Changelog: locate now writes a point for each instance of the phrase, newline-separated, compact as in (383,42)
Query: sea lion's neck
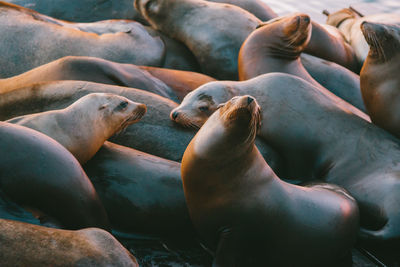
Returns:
(91,121)
(345,28)
(229,178)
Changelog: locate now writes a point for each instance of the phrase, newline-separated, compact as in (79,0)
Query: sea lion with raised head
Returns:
(24,244)
(349,24)
(276,47)
(43,41)
(141,193)
(155,134)
(248,215)
(205,28)
(39,174)
(380,80)
(318,138)
(96,117)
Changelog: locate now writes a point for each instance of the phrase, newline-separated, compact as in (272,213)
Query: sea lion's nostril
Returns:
(249,100)
(175,115)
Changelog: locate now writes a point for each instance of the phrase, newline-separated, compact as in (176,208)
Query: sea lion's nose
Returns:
(175,115)
(249,100)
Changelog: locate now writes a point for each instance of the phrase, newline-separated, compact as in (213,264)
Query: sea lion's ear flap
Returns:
(103,106)
(264,23)
(221,105)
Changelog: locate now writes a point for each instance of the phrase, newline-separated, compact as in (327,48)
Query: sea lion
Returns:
(155,134)
(177,55)
(169,83)
(96,117)
(256,7)
(337,154)
(140,192)
(205,28)
(380,81)
(49,41)
(337,78)
(88,11)
(181,82)
(276,47)
(24,244)
(328,43)
(348,22)
(246,213)
(50,181)
(198,105)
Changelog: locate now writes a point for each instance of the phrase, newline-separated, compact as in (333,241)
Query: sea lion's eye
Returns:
(203,108)
(121,106)
(149,5)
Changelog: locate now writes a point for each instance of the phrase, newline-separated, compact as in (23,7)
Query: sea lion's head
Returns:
(293,33)
(155,11)
(241,114)
(112,112)
(231,130)
(383,40)
(338,17)
(199,104)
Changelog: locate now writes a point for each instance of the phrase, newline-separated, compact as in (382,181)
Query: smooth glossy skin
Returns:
(256,7)
(96,117)
(90,69)
(328,43)
(177,55)
(380,80)
(48,41)
(155,134)
(375,185)
(246,213)
(336,78)
(276,47)
(213,32)
(83,11)
(349,24)
(41,175)
(24,244)
(181,82)
(141,192)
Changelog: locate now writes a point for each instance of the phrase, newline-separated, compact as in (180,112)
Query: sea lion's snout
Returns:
(303,19)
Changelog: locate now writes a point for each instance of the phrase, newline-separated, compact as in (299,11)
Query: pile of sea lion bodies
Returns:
(273,141)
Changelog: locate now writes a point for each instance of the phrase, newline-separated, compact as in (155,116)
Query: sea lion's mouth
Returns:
(184,120)
(136,116)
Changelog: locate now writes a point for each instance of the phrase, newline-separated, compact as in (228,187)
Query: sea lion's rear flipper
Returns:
(225,254)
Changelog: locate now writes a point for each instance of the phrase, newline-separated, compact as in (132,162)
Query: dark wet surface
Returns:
(162,253)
